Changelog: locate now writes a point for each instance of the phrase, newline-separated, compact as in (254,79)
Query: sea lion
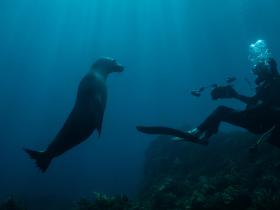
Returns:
(86,116)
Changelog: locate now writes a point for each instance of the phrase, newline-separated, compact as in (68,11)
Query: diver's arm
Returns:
(228,92)
(245,99)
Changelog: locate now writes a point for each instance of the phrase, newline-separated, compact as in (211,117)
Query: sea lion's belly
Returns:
(85,117)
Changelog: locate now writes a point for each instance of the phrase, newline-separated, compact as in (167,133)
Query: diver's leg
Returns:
(210,126)
(256,120)
(248,119)
(213,121)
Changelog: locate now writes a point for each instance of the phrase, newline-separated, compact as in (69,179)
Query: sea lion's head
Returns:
(108,65)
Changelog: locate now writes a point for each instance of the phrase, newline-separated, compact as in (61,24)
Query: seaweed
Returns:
(11,204)
(104,202)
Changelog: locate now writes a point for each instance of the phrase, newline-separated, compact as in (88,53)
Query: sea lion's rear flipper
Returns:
(42,161)
(157,130)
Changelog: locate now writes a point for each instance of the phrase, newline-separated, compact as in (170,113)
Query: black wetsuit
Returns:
(261,114)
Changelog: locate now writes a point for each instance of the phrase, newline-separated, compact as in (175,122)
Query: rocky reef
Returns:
(227,174)
(104,202)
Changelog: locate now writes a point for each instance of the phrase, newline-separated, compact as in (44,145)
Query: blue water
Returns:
(168,47)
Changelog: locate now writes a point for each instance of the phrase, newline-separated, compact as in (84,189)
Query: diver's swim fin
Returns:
(157,130)
(41,159)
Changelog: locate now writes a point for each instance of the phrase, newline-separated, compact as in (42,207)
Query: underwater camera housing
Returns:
(217,90)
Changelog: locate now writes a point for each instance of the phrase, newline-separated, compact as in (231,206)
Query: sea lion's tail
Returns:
(42,161)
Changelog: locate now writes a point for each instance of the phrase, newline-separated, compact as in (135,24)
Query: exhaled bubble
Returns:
(259,53)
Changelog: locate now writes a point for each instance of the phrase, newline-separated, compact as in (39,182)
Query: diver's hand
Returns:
(223,92)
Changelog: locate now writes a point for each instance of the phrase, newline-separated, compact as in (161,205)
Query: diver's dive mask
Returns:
(261,69)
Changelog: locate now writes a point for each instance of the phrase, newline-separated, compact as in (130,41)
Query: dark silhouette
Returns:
(86,116)
(261,116)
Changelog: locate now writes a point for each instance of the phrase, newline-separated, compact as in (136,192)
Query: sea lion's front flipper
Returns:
(157,130)
(99,122)
(99,109)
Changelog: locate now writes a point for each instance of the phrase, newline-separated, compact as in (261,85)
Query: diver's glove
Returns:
(223,92)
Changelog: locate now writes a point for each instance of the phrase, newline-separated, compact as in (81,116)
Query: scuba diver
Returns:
(262,112)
